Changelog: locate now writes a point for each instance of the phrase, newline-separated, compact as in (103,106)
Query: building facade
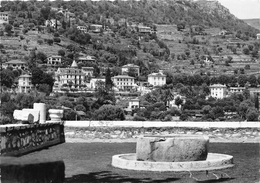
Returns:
(25,83)
(126,68)
(124,82)
(157,79)
(4,16)
(218,91)
(73,76)
(88,71)
(16,64)
(54,60)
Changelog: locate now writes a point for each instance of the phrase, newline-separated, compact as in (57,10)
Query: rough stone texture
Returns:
(178,148)
(18,140)
(123,133)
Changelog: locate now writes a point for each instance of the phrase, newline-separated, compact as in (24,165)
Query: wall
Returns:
(116,131)
(162,124)
(18,139)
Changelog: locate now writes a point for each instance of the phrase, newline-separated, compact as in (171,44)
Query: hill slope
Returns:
(253,23)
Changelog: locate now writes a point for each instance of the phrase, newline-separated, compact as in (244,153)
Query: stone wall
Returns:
(132,133)
(23,138)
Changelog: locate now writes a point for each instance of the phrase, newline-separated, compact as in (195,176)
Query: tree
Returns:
(246,51)
(40,56)
(7,78)
(8,29)
(252,81)
(178,101)
(109,112)
(56,40)
(242,79)
(252,114)
(108,83)
(61,53)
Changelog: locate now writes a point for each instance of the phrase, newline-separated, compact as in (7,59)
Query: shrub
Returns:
(39,41)
(56,40)
(70,115)
(139,118)
(109,112)
(56,34)
(5,120)
(50,41)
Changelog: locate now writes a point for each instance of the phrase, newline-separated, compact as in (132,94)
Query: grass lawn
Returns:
(91,162)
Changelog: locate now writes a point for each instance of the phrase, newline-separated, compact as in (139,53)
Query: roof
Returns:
(86,58)
(157,74)
(123,76)
(130,65)
(25,76)
(87,68)
(15,62)
(74,64)
(217,86)
(55,56)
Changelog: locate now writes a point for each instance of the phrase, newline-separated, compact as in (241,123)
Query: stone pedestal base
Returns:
(177,148)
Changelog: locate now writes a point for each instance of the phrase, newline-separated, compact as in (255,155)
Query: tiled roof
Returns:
(15,62)
(157,74)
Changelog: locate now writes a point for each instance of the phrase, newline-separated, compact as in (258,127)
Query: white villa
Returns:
(88,71)
(218,91)
(70,76)
(124,82)
(134,103)
(4,16)
(85,59)
(126,68)
(92,85)
(258,36)
(236,89)
(54,60)
(25,83)
(16,64)
(157,79)
(82,28)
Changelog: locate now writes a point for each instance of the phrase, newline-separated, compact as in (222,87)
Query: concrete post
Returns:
(42,108)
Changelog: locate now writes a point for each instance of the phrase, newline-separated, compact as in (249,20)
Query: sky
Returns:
(243,9)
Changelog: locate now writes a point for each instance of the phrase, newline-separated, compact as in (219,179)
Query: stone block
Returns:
(28,116)
(174,148)
(34,113)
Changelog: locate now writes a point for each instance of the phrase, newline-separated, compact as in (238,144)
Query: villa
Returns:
(25,83)
(126,68)
(70,76)
(16,64)
(157,79)
(4,16)
(218,91)
(124,82)
(54,60)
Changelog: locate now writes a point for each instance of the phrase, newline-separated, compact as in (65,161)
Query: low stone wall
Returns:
(112,134)
(22,138)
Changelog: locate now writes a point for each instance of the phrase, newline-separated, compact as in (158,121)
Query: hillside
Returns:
(253,23)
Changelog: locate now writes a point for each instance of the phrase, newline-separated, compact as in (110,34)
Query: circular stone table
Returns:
(214,161)
(172,148)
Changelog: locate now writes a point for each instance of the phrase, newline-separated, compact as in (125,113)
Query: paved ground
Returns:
(91,162)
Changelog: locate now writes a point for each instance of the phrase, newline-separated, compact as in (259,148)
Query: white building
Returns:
(83,59)
(16,64)
(134,103)
(54,60)
(126,68)
(70,76)
(82,28)
(88,71)
(258,36)
(237,89)
(25,83)
(144,29)
(124,82)
(157,79)
(218,91)
(4,16)
(93,82)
